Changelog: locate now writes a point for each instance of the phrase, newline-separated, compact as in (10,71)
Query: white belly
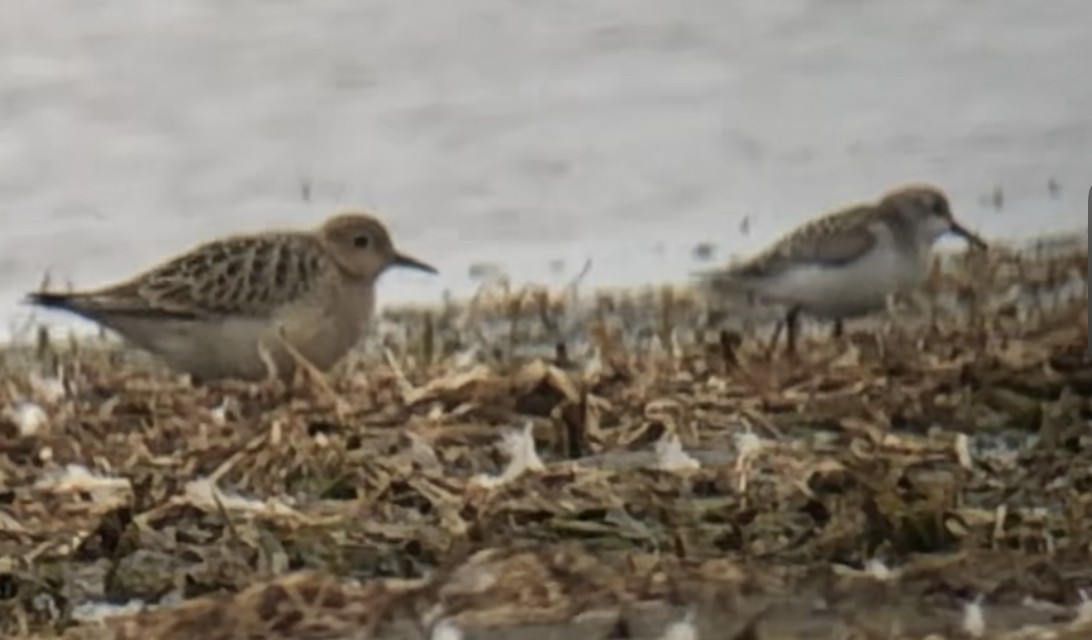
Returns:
(849,290)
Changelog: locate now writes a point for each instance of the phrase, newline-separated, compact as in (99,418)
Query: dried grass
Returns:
(537,456)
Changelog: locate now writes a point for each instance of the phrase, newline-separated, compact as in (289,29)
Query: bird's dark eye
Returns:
(361,242)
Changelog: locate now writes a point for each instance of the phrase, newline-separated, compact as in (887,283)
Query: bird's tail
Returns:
(49,299)
(80,303)
(722,281)
(99,305)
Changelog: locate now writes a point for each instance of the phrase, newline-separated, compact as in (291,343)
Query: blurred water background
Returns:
(533,135)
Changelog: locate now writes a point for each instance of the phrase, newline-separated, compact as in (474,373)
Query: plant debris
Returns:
(626,464)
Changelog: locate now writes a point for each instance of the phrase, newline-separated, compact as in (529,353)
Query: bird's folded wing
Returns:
(837,248)
(250,282)
(244,276)
(834,248)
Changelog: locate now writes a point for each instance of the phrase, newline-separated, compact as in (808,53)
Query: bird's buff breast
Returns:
(233,347)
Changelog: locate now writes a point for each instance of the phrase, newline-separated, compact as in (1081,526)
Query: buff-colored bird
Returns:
(251,306)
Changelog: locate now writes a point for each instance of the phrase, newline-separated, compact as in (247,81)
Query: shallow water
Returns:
(625,131)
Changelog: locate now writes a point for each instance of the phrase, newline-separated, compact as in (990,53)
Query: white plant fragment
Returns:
(446,630)
(28,417)
(963,451)
(671,457)
(974,619)
(682,630)
(519,446)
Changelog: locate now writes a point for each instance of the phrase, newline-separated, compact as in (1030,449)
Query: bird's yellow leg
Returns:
(317,377)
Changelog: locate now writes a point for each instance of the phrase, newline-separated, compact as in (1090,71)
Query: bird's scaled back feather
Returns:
(243,275)
(832,240)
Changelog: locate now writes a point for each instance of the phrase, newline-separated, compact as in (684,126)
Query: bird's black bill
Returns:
(969,235)
(401,260)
